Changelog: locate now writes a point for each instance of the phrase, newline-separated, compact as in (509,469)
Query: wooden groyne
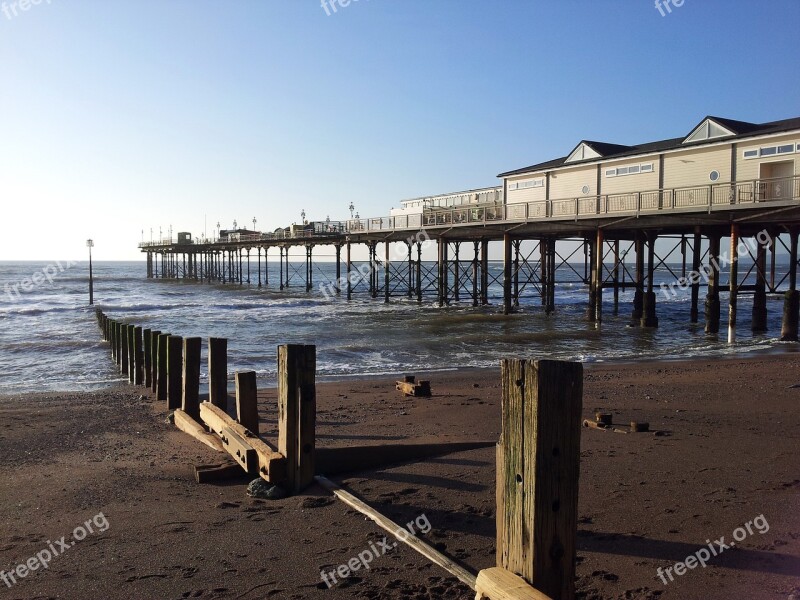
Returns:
(538,454)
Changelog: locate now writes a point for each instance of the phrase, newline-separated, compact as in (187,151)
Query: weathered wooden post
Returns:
(123,363)
(638,295)
(190,398)
(507,265)
(154,359)
(218,372)
(649,316)
(113,329)
(247,400)
(791,302)
(759,320)
(538,465)
(138,356)
(148,357)
(734,284)
(297,409)
(696,247)
(131,353)
(161,379)
(174,371)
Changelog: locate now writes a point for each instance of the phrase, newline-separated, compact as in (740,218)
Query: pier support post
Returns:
(309,267)
(162,370)
(373,269)
(457,272)
(348,271)
(734,284)
(190,398)
(696,247)
(591,261)
(475,263)
(484,272)
(543,265)
(247,400)
(258,249)
(338,269)
(297,408)
(419,271)
(791,302)
(266,266)
(616,277)
(174,371)
(517,244)
(442,243)
(281,263)
(218,372)
(538,466)
(759,320)
(507,266)
(638,295)
(386,271)
(649,317)
(409,248)
(551,273)
(712,297)
(599,276)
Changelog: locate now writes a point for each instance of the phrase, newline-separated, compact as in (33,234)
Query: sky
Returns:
(123,119)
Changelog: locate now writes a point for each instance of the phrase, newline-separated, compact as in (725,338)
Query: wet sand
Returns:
(728,454)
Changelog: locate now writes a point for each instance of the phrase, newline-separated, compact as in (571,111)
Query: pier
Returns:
(582,239)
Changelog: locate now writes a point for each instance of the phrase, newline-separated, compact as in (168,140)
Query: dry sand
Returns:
(729,453)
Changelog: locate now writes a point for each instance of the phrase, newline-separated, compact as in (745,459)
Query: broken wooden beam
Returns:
(500,584)
(410,387)
(217,472)
(271,464)
(187,424)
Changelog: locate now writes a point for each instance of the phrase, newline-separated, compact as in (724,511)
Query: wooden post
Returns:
(147,341)
(638,295)
(599,276)
(131,353)
(538,465)
(348,271)
(696,247)
(712,299)
(174,371)
(649,316)
(297,407)
(113,326)
(154,359)
(247,400)
(138,356)
(734,284)
(759,320)
(386,271)
(190,399)
(484,272)
(791,302)
(161,379)
(591,245)
(123,363)
(218,372)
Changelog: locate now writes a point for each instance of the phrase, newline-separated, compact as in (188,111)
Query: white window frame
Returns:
(626,170)
(759,152)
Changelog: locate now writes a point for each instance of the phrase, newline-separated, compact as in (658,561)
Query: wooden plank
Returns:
(542,403)
(247,400)
(239,448)
(218,372)
(217,472)
(187,424)
(161,368)
(499,584)
(297,413)
(190,397)
(271,464)
(174,371)
(399,532)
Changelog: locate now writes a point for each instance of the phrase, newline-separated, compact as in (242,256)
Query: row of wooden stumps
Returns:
(170,366)
(538,455)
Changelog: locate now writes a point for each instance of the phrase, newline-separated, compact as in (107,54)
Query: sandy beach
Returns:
(725,455)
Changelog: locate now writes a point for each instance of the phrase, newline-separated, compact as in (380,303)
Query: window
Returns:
(714,175)
(522,185)
(630,170)
(585,190)
(771,150)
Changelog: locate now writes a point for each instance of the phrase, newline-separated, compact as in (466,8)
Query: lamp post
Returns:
(234,224)
(90,245)
(352,208)
(254,224)
(303,216)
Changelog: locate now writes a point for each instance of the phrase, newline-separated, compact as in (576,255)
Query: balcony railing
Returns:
(673,200)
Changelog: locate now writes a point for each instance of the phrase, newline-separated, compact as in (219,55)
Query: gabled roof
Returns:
(586,150)
(738,130)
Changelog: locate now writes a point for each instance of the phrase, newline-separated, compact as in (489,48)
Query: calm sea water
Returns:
(50,340)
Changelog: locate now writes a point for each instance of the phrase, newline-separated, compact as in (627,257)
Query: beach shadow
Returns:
(332,436)
(739,558)
(427,480)
(464,462)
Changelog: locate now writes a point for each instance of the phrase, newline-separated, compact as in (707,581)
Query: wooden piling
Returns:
(297,413)
(154,359)
(696,256)
(386,271)
(147,348)
(162,370)
(247,400)
(218,372)
(138,354)
(649,315)
(538,465)
(174,371)
(759,320)
(123,362)
(190,397)
(131,353)
(507,266)
(638,295)
(734,283)
(712,308)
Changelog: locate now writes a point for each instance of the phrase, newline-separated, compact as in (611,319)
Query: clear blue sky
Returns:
(119,116)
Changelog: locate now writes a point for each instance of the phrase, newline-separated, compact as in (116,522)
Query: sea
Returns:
(49,339)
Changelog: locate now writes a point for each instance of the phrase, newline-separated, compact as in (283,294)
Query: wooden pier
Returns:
(757,217)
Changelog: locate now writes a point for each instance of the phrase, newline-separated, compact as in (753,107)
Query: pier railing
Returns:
(673,200)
